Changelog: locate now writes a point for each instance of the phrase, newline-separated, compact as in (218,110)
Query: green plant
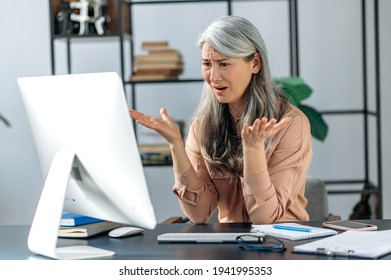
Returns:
(5,121)
(297,90)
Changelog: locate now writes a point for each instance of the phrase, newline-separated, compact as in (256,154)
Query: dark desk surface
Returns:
(13,244)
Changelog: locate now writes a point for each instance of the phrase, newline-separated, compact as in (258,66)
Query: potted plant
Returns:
(297,90)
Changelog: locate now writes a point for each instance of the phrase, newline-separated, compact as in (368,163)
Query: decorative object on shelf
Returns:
(84,18)
(297,90)
(81,17)
(63,24)
(161,62)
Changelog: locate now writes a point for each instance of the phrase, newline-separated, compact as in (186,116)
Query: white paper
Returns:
(364,244)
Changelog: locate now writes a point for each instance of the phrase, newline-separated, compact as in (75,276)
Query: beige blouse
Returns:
(241,199)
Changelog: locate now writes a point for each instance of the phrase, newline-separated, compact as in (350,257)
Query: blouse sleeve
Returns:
(270,194)
(195,180)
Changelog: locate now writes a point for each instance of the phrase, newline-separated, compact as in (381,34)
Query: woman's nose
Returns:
(214,74)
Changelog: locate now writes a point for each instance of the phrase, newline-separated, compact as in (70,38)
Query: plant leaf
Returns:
(295,88)
(319,127)
(5,121)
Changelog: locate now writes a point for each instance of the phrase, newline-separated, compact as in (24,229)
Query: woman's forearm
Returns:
(181,163)
(254,161)
(180,160)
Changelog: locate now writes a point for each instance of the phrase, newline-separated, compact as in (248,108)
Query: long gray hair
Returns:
(236,37)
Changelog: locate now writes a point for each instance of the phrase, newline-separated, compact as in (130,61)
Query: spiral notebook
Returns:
(311,232)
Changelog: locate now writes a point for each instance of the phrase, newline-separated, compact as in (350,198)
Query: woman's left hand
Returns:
(255,135)
(166,127)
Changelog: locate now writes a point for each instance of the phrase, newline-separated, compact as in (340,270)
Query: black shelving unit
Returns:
(369,186)
(68,38)
(121,35)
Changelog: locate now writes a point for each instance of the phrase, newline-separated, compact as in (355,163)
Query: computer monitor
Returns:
(88,153)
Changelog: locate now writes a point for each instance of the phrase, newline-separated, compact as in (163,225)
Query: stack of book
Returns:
(160,63)
(80,226)
(155,154)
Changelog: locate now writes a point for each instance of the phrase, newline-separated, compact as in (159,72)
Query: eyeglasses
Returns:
(266,243)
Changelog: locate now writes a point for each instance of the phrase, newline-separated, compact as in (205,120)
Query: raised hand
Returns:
(166,127)
(256,134)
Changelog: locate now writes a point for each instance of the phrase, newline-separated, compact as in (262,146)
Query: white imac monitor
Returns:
(88,153)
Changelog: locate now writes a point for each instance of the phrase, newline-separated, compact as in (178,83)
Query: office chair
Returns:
(318,205)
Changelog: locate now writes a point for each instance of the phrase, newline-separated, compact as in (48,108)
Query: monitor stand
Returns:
(43,234)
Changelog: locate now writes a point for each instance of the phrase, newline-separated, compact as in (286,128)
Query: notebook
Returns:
(71,220)
(352,243)
(87,230)
(313,232)
(202,237)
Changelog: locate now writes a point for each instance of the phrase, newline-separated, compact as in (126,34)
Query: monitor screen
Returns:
(87,150)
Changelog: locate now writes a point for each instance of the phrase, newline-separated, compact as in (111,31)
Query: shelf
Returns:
(173,2)
(195,80)
(87,37)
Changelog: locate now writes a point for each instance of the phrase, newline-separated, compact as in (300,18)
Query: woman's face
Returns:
(228,77)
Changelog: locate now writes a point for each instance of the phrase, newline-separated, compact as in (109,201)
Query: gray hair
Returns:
(236,37)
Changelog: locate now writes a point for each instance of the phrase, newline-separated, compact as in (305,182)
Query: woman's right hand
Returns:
(166,127)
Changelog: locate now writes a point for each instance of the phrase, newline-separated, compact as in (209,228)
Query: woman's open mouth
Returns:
(219,90)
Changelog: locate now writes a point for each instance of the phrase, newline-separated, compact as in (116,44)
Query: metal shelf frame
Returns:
(367,113)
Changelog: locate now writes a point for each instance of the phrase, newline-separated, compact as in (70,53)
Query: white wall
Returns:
(24,51)
(330,60)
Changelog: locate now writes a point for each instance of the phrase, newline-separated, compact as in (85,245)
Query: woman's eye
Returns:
(206,64)
(224,64)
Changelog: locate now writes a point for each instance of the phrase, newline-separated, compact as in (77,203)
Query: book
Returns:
(152,77)
(164,51)
(70,220)
(351,243)
(158,66)
(153,58)
(154,45)
(295,235)
(166,72)
(161,63)
(155,153)
(87,230)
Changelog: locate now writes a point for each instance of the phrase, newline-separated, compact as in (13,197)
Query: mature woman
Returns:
(248,149)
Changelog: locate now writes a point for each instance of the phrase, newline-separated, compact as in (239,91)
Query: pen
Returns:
(292,228)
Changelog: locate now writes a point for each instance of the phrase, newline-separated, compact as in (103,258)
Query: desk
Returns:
(13,244)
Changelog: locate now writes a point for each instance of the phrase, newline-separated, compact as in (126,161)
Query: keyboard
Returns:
(203,237)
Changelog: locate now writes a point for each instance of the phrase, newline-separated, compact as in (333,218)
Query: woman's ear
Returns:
(257,63)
